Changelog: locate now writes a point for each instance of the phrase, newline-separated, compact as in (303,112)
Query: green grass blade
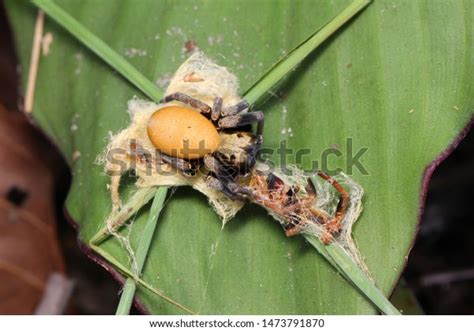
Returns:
(100,48)
(129,288)
(127,272)
(351,271)
(276,73)
(126,298)
(140,198)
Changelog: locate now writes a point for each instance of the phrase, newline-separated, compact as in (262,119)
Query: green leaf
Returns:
(397,80)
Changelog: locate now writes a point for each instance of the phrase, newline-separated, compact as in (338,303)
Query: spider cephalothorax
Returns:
(190,134)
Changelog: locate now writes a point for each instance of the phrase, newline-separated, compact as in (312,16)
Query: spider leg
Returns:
(214,183)
(216,109)
(216,167)
(252,152)
(334,225)
(229,188)
(187,100)
(186,167)
(260,124)
(233,121)
(237,191)
(220,179)
(235,109)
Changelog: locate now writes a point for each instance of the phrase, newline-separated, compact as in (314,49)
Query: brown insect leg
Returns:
(316,214)
(310,188)
(293,230)
(187,100)
(326,237)
(334,225)
(319,214)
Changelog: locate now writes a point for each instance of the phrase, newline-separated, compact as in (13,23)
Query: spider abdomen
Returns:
(182,132)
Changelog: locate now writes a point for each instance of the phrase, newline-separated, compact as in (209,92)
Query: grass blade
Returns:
(129,288)
(280,69)
(126,298)
(127,272)
(140,198)
(352,273)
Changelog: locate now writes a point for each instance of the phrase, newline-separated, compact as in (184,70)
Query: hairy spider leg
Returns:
(235,109)
(229,188)
(234,121)
(186,167)
(214,165)
(187,100)
(216,109)
(221,180)
(252,152)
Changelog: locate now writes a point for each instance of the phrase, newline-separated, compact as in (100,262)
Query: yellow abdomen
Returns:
(182,132)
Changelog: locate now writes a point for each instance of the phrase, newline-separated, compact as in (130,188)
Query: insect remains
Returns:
(295,206)
(312,204)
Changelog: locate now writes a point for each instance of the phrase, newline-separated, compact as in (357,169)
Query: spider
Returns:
(189,143)
(295,208)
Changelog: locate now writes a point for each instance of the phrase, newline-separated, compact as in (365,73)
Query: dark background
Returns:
(440,269)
